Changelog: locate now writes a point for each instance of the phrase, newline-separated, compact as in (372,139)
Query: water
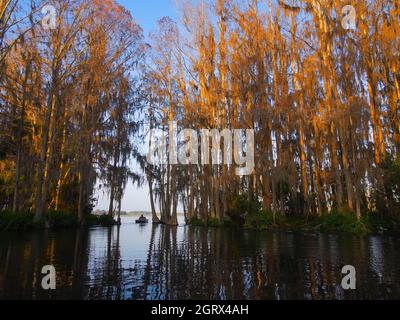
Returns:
(158,262)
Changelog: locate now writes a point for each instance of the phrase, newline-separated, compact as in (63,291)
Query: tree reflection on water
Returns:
(159,262)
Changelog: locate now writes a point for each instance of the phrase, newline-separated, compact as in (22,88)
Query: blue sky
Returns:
(145,13)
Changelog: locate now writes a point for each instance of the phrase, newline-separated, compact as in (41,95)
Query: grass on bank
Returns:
(212,222)
(22,221)
(334,222)
(250,215)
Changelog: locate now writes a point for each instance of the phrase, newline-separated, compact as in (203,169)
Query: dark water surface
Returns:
(158,262)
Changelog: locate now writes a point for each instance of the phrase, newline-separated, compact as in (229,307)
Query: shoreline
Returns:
(327,224)
(24,221)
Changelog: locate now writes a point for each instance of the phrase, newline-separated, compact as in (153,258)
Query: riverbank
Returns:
(249,214)
(335,222)
(23,221)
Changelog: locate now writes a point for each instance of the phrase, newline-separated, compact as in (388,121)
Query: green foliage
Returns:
(242,205)
(212,222)
(196,222)
(250,214)
(16,221)
(264,219)
(387,199)
(259,220)
(391,169)
(58,219)
(104,220)
(346,222)
(379,223)
(22,221)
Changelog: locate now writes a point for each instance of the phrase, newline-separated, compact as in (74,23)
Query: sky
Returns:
(145,13)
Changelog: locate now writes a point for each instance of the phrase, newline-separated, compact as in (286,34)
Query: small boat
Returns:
(142,220)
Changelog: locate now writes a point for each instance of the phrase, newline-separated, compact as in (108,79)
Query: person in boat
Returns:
(142,219)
